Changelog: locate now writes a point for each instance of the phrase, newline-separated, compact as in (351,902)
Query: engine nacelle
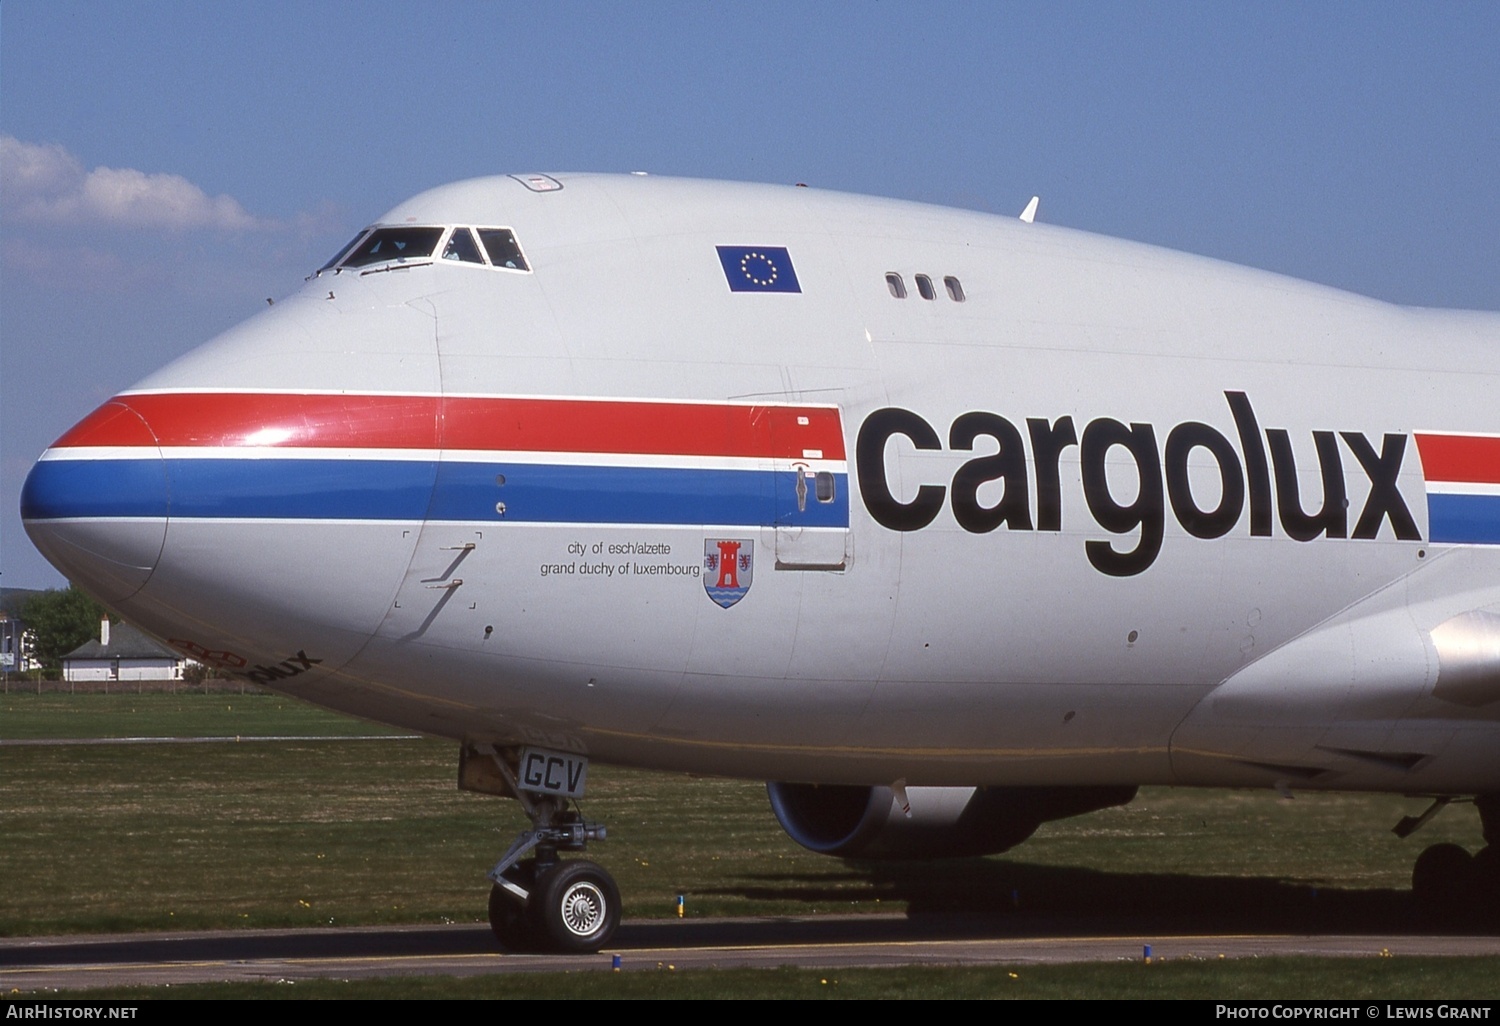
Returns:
(945,822)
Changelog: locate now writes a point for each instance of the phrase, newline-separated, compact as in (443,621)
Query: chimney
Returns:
(104,631)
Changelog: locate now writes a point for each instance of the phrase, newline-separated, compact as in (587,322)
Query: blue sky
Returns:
(168,166)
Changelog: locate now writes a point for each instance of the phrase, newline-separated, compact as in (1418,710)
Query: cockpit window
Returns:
(504,251)
(348,246)
(401,244)
(394,244)
(461,246)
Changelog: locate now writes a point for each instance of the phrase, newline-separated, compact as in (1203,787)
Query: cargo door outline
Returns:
(811,515)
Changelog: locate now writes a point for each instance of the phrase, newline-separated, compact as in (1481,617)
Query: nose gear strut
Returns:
(543,903)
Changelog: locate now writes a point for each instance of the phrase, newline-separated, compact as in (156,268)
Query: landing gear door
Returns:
(811,488)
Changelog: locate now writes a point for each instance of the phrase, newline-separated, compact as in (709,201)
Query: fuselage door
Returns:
(812,488)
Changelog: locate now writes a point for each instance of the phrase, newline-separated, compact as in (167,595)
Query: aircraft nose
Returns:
(96,502)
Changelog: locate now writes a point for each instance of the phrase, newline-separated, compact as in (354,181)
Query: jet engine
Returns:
(942,822)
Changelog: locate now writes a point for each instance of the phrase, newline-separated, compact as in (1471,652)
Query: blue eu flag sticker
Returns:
(758,269)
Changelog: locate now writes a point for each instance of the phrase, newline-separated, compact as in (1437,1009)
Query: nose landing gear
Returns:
(542,902)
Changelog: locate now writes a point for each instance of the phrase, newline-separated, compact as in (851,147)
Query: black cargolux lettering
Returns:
(1009,464)
(1256,470)
(290,667)
(1246,476)
(302,659)
(1385,500)
(1332,520)
(1147,510)
(1047,443)
(263,674)
(1196,521)
(869,453)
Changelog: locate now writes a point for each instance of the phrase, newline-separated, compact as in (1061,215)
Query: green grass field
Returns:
(303,833)
(56,714)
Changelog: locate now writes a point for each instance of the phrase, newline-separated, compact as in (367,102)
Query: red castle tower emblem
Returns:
(729,558)
(728,568)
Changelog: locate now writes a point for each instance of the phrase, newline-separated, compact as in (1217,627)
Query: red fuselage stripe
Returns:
(463,423)
(1460,458)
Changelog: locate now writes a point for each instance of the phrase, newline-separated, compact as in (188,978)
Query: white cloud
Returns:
(48,185)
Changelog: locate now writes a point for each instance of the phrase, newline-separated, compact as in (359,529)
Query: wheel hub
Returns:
(583,909)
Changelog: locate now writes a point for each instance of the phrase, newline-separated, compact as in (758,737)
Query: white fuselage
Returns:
(1042,533)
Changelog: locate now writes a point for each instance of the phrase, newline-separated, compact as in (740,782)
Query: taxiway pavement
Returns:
(31,964)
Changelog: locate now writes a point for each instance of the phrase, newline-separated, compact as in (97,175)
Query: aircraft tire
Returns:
(578,906)
(1442,881)
(511,920)
(1486,877)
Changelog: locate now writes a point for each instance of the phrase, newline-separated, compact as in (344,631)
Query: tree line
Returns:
(60,620)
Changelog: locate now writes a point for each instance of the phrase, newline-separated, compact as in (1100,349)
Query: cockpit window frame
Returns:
(350,247)
(451,239)
(479,231)
(416,259)
(444,238)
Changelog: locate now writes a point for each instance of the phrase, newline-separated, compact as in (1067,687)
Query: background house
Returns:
(122,653)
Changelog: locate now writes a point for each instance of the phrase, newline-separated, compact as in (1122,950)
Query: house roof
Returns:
(125,642)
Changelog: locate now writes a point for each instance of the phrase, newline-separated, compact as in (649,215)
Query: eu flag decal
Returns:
(758,269)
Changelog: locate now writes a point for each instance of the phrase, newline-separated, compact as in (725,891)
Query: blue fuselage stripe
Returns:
(1464,519)
(422,490)
(56,489)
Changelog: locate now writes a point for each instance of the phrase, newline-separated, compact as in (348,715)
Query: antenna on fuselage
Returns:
(1029,214)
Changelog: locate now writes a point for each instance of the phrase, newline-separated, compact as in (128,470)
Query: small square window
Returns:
(896,285)
(924,287)
(955,288)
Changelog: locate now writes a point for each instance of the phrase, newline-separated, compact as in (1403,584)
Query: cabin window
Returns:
(895,284)
(461,246)
(503,249)
(385,244)
(823,486)
(955,288)
(924,287)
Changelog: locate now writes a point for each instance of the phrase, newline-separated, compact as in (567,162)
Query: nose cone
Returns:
(96,502)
